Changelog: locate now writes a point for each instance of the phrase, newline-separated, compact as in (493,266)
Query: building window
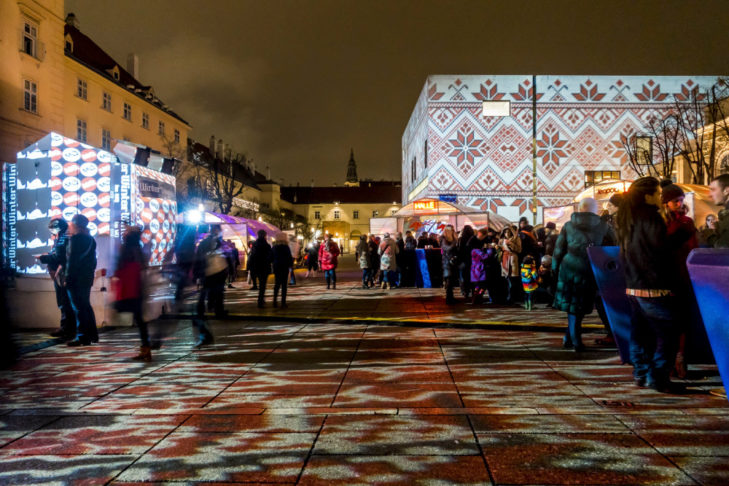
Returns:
(593,177)
(177,136)
(106,102)
(81,130)
(82,89)
(106,139)
(355,214)
(375,213)
(317,215)
(337,214)
(145,120)
(30,38)
(30,96)
(127,111)
(414,169)
(161,129)
(392,212)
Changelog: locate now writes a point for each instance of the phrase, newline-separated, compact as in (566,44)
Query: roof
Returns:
(384,192)
(87,52)
(241,173)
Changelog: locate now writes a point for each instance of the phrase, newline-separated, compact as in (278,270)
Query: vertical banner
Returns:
(155,211)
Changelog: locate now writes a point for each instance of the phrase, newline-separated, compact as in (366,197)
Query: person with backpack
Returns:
(128,279)
(261,259)
(78,277)
(56,260)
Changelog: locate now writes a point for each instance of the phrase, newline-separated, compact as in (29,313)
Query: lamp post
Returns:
(534,149)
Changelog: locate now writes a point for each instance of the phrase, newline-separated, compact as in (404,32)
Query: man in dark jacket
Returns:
(719,189)
(261,259)
(209,254)
(56,260)
(79,277)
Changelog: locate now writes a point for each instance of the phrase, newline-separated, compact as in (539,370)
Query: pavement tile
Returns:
(708,471)
(269,400)
(551,424)
(398,374)
(237,457)
(253,423)
(15,426)
(397,435)
(577,459)
(356,470)
(399,395)
(49,469)
(568,401)
(675,423)
(713,444)
(95,435)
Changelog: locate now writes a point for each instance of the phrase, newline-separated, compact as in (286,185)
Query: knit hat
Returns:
(616,199)
(671,192)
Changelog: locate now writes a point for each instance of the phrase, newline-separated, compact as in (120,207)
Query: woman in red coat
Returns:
(128,279)
(680,225)
(328,257)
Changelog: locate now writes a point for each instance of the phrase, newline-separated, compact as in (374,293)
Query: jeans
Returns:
(365,276)
(68,318)
(653,338)
(262,281)
(280,282)
(330,276)
(80,298)
(574,329)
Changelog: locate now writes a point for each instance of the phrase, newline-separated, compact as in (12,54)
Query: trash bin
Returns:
(709,271)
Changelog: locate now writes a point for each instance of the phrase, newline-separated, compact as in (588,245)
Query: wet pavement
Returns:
(353,402)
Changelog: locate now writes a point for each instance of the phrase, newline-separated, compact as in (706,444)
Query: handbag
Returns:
(215,262)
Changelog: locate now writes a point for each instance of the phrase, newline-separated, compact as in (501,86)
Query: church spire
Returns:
(352,178)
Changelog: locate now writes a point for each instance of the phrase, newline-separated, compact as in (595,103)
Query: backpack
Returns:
(215,262)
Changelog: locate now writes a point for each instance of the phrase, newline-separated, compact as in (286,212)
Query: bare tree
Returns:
(216,178)
(174,150)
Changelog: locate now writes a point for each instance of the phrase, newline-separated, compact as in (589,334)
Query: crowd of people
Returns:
(516,265)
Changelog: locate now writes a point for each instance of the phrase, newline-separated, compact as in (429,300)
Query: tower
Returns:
(352,179)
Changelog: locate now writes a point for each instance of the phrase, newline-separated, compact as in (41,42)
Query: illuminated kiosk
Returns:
(60,177)
(697,200)
(432,215)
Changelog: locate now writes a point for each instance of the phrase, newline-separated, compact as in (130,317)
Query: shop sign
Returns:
(424,205)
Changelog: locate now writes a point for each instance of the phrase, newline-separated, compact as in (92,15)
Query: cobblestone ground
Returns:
(353,403)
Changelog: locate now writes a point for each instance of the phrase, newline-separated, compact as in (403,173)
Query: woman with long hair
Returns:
(646,250)
(449,249)
(510,245)
(128,278)
(362,254)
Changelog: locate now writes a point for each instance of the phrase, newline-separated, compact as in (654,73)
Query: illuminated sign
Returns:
(154,209)
(424,205)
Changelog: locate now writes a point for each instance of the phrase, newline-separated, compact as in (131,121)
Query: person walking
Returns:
(464,260)
(214,271)
(79,277)
(388,252)
(233,262)
(185,258)
(129,279)
(328,259)
(261,260)
(719,191)
(645,248)
(362,254)
(56,262)
(529,280)
(510,245)
(449,250)
(283,262)
(312,259)
(374,257)
(576,286)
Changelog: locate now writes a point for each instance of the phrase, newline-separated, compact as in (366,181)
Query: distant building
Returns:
(344,211)
(55,78)
(470,137)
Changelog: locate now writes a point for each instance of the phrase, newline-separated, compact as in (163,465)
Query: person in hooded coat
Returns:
(576,286)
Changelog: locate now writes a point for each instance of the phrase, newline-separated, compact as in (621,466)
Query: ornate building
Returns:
(471,137)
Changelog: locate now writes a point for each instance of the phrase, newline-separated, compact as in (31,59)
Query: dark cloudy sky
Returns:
(295,84)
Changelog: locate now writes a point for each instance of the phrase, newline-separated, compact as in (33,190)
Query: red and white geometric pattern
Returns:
(487,161)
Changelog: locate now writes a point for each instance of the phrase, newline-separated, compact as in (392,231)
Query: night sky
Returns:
(295,84)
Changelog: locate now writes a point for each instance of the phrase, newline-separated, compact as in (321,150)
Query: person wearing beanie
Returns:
(681,228)
(56,263)
(80,268)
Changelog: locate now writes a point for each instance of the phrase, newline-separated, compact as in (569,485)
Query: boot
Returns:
(144,354)
(329,283)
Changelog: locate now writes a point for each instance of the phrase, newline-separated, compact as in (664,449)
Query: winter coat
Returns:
(550,240)
(391,245)
(449,250)
(529,278)
(57,256)
(373,256)
(328,255)
(480,259)
(689,240)
(80,261)
(510,256)
(129,268)
(529,244)
(363,254)
(410,243)
(576,287)
(261,257)
(282,258)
